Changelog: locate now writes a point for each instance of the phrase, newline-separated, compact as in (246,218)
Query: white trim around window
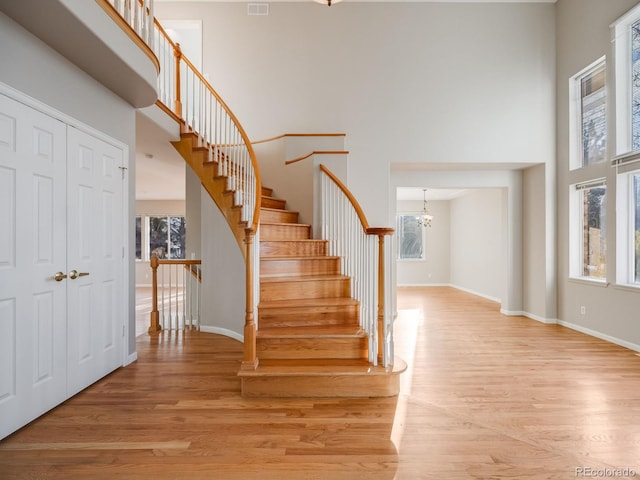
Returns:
(627,256)
(578,97)
(621,37)
(581,237)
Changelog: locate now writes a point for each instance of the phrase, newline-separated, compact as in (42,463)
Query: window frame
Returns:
(400,235)
(576,148)
(576,231)
(139,239)
(147,246)
(625,228)
(621,36)
(625,161)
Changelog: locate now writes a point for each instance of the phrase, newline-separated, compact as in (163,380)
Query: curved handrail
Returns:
(284,135)
(246,143)
(363,218)
(356,247)
(317,152)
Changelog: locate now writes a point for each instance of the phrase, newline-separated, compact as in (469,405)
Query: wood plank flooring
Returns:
(484,397)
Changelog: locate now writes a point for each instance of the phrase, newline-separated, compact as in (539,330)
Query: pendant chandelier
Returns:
(425,218)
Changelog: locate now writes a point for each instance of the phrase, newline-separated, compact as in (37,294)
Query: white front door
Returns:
(33,327)
(94,258)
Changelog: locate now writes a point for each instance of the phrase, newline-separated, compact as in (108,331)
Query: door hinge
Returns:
(123,330)
(122,169)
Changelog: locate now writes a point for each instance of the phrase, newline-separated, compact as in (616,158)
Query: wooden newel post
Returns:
(381,232)
(154,323)
(250,359)
(178,102)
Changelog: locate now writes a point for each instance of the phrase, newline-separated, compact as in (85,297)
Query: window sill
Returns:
(627,286)
(587,281)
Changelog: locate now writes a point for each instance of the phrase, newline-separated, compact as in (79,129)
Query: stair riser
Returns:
(308,316)
(299,266)
(267,192)
(312,348)
(284,232)
(356,386)
(270,202)
(284,216)
(305,289)
(292,248)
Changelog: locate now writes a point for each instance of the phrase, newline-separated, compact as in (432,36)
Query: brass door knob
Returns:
(73,274)
(59,276)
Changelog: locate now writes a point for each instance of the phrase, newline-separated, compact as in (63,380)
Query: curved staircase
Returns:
(309,342)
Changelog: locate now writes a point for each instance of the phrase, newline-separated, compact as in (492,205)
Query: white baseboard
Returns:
(477,294)
(537,318)
(222,331)
(423,285)
(131,358)
(600,335)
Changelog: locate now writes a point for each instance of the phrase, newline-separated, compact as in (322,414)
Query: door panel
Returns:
(32,249)
(94,241)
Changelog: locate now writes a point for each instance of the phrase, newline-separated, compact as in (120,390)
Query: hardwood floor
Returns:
(484,397)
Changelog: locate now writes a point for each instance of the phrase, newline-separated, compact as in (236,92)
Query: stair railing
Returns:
(176,286)
(185,94)
(139,15)
(362,250)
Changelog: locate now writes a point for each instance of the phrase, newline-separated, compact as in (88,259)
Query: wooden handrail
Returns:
(317,152)
(154,263)
(284,135)
(180,57)
(363,218)
(380,232)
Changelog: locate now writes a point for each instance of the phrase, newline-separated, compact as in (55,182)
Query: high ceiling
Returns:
(386,1)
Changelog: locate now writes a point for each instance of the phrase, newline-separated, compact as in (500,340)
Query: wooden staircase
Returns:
(309,342)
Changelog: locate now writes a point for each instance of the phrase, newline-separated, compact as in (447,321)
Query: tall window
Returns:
(410,237)
(590,116)
(626,34)
(167,237)
(635,86)
(590,230)
(636,228)
(138,237)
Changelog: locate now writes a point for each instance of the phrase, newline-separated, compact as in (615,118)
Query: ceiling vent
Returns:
(257,9)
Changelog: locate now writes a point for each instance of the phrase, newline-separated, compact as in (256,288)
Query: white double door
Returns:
(61,261)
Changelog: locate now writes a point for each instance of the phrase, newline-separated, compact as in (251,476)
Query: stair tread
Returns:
(321,367)
(312,331)
(284,223)
(300,278)
(277,210)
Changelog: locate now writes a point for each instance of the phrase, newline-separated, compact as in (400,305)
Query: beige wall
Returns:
(407,82)
(611,312)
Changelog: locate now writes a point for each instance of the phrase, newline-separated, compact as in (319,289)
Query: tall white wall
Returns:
(611,311)
(407,82)
(223,275)
(478,248)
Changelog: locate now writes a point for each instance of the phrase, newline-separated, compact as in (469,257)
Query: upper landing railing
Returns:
(187,96)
